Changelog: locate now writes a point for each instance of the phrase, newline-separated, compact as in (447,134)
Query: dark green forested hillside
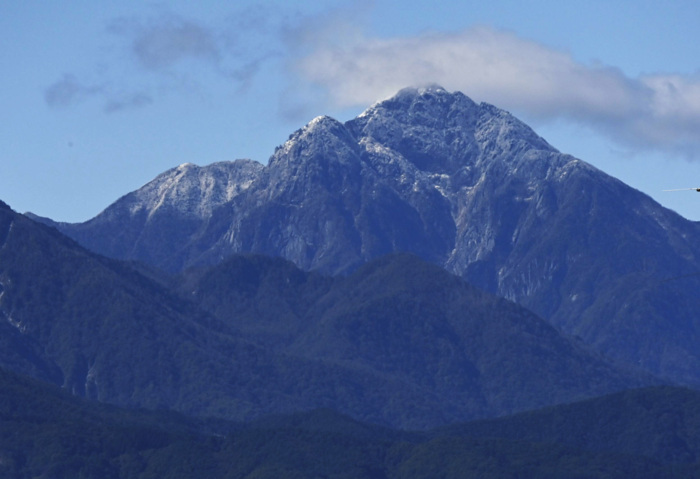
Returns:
(440,348)
(400,342)
(661,422)
(45,432)
(268,299)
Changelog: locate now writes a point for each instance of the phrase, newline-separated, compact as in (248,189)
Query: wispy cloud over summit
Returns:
(660,111)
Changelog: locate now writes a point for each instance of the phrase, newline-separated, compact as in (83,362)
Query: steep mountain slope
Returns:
(469,187)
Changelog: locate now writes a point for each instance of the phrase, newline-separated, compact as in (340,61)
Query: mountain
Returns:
(400,342)
(45,432)
(164,214)
(463,185)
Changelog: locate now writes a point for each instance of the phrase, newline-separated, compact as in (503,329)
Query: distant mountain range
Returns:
(462,185)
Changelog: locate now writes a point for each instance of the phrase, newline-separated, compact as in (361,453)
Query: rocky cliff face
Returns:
(401,177)
(463,185)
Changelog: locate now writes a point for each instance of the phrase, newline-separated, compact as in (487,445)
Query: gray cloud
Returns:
(656,111)
(162,42)
(68,91)
(162,47)
(124,102)
(165,46)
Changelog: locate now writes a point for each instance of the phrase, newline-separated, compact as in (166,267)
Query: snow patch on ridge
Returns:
(316,121)
(194,190)
(17,324)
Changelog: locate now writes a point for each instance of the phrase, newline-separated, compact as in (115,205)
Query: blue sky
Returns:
(100,97)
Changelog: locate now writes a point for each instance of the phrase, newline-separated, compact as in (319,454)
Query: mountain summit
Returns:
(460,184)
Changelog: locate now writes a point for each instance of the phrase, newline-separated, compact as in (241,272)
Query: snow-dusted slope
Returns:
(193,190)
(155,222)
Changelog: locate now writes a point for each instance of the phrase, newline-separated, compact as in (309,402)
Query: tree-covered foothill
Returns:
(45,432)
(399,342)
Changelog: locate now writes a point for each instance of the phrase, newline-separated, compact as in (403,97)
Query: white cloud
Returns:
(661,111)
(674,111)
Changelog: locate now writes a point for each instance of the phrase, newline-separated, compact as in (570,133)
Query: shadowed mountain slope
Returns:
(414,325)
(400,342)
